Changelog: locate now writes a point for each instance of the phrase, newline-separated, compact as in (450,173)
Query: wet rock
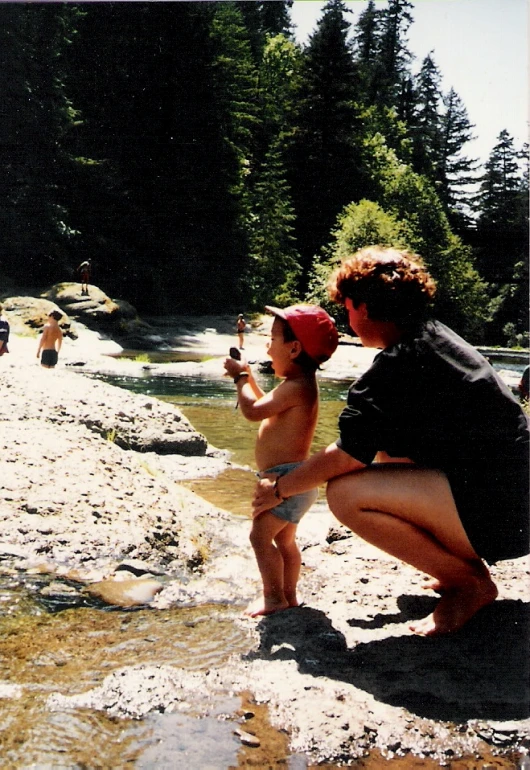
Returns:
(138,690)
(137,568)
(125,593)
(10,690)
(58,590)
(7,550)
(31,313)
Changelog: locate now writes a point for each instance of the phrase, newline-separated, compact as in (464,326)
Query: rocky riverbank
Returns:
(90,493)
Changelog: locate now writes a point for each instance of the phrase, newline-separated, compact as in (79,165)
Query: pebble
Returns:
(247,739)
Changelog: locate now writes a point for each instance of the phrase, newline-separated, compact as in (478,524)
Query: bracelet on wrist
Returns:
(238,376)
(277,492)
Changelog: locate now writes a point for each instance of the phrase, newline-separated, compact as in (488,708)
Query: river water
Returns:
(48,646)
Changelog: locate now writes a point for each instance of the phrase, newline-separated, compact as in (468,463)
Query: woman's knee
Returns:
(343,498)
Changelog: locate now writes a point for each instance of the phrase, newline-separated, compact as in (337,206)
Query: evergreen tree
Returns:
(325,163)
(502,207)
(159,118)
(274,261)
(426,131)
(367,45)
(274,267)
(455,170)
(394,57)
(263,18)
(387,94)
(502,236)
(500,186)
(275,17)
(35,117)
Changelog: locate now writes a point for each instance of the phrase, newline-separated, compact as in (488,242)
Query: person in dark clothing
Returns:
(524,382)
(431,464)
(4,332)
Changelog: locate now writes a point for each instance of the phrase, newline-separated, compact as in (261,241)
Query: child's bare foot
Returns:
(292,601)
(265,607)
(457,605)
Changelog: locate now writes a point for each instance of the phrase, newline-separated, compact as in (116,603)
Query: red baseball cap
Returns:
(312,327)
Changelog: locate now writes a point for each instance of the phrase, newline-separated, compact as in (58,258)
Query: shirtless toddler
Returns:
(302,337)
(50,341)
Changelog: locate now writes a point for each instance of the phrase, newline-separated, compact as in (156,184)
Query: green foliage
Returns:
(359,225)
(274,269)
(196,153)
(324,163)
(409,215)
(37,116)
(501,236)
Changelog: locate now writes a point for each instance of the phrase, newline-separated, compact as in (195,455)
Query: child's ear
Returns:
(296,348)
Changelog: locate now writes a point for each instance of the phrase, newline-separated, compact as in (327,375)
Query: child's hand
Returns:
(233,367)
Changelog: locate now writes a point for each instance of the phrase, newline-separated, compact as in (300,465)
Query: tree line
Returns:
(205,161)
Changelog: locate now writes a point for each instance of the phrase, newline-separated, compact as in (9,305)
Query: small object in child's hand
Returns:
(234,353)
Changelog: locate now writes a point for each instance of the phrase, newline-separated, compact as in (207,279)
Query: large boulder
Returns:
(116,318)
(96,306)
(112,318)
(29,314)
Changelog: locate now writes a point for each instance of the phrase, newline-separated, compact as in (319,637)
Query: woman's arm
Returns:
(319,468)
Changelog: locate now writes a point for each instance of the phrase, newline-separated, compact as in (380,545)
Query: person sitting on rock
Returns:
(51,341)
(431,465)
(302,337)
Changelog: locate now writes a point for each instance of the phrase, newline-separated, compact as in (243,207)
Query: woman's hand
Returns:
(264,496)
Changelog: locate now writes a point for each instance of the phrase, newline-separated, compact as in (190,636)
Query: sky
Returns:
(481,50)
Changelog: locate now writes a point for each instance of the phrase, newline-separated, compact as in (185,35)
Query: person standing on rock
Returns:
(431,465)
(4,332)
(51,341)
(241,325)
(302,337)
(85,269)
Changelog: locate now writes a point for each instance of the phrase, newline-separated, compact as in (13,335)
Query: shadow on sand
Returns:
(480,672)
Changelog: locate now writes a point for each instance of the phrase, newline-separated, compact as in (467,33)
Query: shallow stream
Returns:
(47,646)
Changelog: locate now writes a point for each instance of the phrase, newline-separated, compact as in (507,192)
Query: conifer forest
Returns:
(205,161)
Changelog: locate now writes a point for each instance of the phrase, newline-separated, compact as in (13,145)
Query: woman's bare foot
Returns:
(457,605)
(265,606)
(432,585)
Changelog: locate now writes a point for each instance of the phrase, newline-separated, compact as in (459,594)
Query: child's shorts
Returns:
(294,507)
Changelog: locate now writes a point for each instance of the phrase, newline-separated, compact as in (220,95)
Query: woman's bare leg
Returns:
(292,562)
(265,528)
(410,513)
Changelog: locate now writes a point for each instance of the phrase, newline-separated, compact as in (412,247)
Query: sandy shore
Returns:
(342,674)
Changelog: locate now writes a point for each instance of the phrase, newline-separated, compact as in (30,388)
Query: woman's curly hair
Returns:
(393,283)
